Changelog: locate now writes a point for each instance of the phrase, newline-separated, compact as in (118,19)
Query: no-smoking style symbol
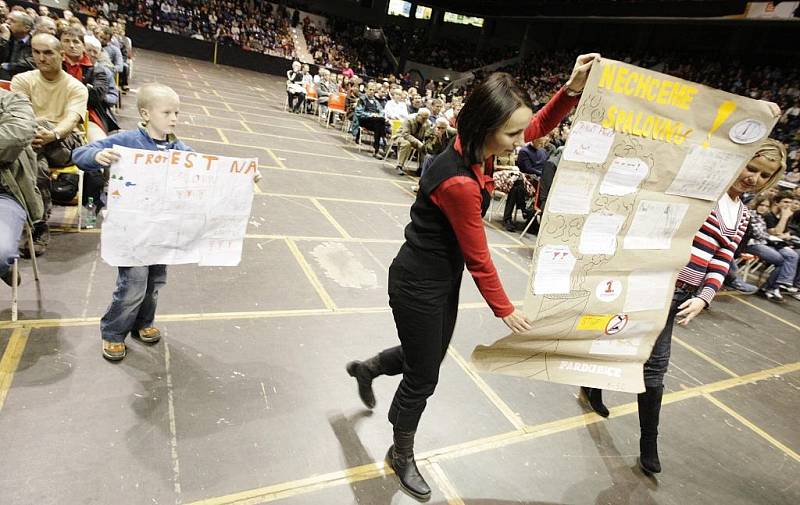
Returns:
(616,324)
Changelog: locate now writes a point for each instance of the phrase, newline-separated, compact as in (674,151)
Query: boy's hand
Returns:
(106,157)
(257,177)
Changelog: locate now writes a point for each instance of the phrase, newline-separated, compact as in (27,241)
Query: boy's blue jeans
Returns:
(133,306)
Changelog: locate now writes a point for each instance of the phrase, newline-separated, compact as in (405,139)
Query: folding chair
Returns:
(311,96)
(15,273)
(396,124)
(537,211)
(336,105)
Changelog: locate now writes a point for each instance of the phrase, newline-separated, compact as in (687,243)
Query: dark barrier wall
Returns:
(203,50)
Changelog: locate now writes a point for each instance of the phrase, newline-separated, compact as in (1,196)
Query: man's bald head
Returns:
(46,41)
(47,55)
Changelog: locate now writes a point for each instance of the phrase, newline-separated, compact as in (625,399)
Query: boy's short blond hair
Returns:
(152,92)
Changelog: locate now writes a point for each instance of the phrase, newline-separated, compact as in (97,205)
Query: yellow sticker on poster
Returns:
(594,322)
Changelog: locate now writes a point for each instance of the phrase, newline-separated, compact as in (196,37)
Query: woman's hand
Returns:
(690,309)
(517,322)
(580,72)
(773,107)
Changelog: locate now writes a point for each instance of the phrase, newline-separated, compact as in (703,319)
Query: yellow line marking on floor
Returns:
(770,314)
(228,107)
(334,199)
(309,127)
(257,189)
(205,109)
(222,136)
(330,218)
(374,470)
(225,316)
(404,190)
(445,485)
(705,356)
(10,360)
(301,486)
(274,156)
(333,174)
(347,151)
(247,128)
(173,442)
(312,277)
(493,397)
(509,260)
(755,429)
(503,232)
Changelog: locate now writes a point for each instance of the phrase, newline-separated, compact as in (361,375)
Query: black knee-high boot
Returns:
(401,459)
(595,398)
(649,410)
(364,372)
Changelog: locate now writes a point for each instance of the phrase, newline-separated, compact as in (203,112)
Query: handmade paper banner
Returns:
(646,160)
(177,207)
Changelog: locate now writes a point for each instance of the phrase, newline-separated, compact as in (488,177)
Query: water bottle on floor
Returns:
(89,214)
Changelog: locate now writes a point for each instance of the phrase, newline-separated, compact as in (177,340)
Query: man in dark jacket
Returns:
(15,45)
(19,198)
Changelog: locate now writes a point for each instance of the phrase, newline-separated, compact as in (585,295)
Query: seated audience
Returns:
(295,92)
(15,45)
(59,104)
(369,115)
(412,137)
(19,198)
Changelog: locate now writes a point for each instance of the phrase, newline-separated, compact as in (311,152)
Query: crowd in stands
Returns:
(72,76)
(461,55)
(255,26)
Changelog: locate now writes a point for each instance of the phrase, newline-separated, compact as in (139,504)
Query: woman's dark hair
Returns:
(486,110)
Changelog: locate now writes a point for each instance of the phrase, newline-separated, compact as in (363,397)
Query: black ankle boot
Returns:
(364,372)
(401,459)
(595,398)
(649,410)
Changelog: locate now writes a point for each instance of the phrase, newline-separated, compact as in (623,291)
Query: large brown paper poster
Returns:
(646,160)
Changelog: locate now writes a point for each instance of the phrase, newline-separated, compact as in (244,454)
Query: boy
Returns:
(133,306)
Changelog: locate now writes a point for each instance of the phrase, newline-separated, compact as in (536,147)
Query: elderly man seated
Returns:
(15,45)
(59,105)
(325,88)
(412,137)
(19,198)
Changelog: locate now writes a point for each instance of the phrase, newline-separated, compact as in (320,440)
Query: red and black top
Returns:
(446,229)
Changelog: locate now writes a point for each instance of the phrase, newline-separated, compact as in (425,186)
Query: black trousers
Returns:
(425,313)
(656,365)
(376,125)
(515,199)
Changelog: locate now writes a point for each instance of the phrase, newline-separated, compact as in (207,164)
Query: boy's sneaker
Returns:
(788,288)
(149,335)
(114,351)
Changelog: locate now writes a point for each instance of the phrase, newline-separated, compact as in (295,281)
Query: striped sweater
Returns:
(712,252)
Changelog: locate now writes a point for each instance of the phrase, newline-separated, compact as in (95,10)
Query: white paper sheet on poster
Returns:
(575,192)
(177,207)
(588,143)
(647,290)
(624,176)
(599,234)
(554,270)
(654,225)
(706,173)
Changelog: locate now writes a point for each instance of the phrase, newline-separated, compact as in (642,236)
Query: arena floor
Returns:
(246,399)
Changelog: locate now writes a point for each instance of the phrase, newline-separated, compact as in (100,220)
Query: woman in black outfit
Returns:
(445,233)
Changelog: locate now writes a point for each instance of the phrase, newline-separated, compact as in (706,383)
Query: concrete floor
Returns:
(246,399)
